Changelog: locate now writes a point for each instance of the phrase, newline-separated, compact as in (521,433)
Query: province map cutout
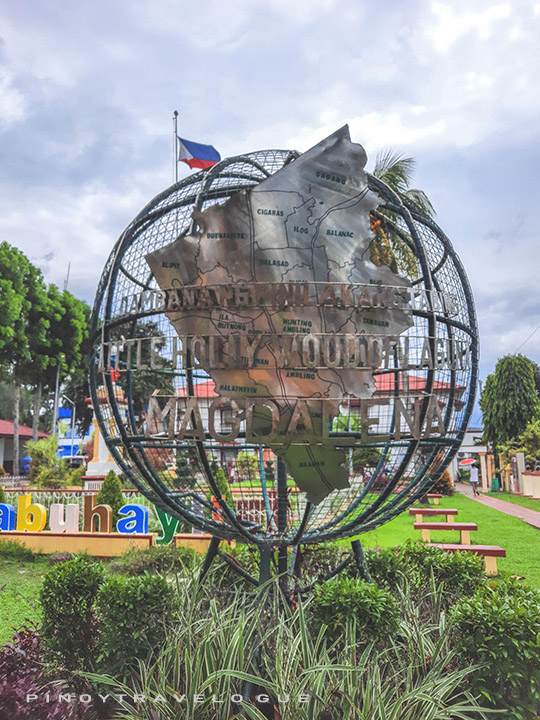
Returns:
(308,223)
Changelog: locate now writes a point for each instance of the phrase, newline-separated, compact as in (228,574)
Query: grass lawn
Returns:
(527,502)
(521,541)
(20,583)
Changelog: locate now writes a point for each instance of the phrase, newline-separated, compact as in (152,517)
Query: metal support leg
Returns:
(361,560)
(264,570)
(210,555)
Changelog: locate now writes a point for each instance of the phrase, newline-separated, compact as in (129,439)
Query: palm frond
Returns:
(394,169)
(419,197)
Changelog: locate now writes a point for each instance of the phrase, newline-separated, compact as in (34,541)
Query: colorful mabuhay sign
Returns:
(32,518)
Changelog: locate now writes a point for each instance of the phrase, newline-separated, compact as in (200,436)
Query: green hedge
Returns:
(500,628)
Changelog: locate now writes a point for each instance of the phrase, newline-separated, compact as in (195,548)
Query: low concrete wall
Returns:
(531,483)
(101,544)
(197,542)
(97,544)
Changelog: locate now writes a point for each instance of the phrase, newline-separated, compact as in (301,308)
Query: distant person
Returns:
(381,481)
(473,478)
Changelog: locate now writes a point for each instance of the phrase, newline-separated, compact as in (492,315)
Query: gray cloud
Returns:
(87,92)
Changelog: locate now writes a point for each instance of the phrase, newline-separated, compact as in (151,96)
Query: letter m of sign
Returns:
(160,420)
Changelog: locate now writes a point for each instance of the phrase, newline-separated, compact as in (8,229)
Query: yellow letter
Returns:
(26,509)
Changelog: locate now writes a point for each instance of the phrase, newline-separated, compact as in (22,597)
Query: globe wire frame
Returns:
(404,219)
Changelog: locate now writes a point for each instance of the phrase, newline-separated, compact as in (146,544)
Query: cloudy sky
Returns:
(88,89)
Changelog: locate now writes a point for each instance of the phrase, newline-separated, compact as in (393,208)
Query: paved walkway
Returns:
(532,517)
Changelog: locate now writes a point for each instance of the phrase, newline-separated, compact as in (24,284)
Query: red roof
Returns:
(384,384)
(202,389)
(25,433)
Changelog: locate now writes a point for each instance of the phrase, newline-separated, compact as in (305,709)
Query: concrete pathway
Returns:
(532,517)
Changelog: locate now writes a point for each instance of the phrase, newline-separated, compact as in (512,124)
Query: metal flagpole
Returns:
(175,140)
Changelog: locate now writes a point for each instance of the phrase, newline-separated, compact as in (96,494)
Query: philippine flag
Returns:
(196,155)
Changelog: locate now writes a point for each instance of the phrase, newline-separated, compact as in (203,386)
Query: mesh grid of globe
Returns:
(284,349)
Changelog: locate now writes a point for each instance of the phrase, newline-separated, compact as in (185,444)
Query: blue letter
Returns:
(137,522)
(7,517)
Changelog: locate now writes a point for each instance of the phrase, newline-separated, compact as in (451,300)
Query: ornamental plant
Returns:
(134,614)
(67,598)
(344,599)
(22,674)
(111,494)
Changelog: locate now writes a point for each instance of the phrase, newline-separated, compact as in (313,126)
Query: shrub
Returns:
(77,475)
(443,485)
(2,471)
(314,562)
(223,577)
(387,566)
(500,626)
(219,647)
(2,494)
(12,550)
(67,597)
(343,599)
(223,485)
(417,562)
(134,613)
(111,494)
(461,573)
(163,559)
(364,457)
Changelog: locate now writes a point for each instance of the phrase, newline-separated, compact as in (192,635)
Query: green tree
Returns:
(528,443)
(76,386)
(509,400)
(144,382)
(41,331)
(536,375)
(25,289)
(47,470)
(391,246)
(396,171)
(67,340)
(247,464)
(361,457)
(184,478)
(223,485)
(111,494)
(44,311)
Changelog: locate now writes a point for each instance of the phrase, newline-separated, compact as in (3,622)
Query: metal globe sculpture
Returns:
(285,349)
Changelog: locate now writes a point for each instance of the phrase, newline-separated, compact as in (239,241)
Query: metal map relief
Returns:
(276,302)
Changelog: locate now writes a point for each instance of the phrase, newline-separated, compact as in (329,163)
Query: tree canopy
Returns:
(41,331)
(509,400)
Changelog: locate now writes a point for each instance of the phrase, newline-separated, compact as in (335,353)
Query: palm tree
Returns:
(389,247)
